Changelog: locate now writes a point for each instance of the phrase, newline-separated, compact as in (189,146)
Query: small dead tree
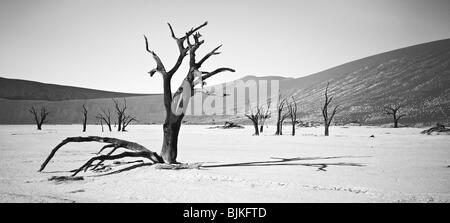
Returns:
(264,116)
(280,115)
(84,117)
(175,105)
(127,119)
(328,118)
(254,116)
(39,117)
(284,116)
(105,115)
(120,111)
(395,111)
(292,107)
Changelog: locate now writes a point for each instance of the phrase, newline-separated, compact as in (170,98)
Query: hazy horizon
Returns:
(99,44)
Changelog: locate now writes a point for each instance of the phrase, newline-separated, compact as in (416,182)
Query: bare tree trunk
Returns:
(281,128)
(293,114)
(395,122)
(171,129)
(119,125)
(280,114)
(84,117)
(101,123)
(278,127)
(256,128)
(326,118)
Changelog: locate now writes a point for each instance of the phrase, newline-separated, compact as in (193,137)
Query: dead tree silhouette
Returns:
(105,116)
(175,104)
(120,112)
(280,116)
(292,107)
(84,117)
(326,118)
(39,117)
(255,115)
(264,116)
(127,119)
(394,110)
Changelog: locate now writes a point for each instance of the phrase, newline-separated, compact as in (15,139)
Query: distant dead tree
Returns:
(84,117)
(326,118)
(280,115)
(105,116)
(120,111)
(127,119)
(123,119)
(254,115)
(292,107)
(175,105)
(39,117)
(394,110)
(264,116)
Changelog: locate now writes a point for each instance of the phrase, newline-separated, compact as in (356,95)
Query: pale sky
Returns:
(99,44)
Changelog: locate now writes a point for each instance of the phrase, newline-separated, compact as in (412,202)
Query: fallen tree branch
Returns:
(137,150)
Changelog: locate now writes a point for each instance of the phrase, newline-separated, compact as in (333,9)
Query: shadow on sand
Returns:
(275,161)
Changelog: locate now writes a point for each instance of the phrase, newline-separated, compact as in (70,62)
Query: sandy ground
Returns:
(397,165)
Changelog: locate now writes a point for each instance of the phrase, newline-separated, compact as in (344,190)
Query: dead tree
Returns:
(255,116)
(394,110)
(120,111)
(105,115)
(84,117)
(280,119)
(127,119)
(292,107)
(39,117)
(328,118)
(175,104)
(264,116)
(284,116)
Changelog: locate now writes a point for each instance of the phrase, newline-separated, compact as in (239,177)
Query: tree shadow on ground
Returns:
(276,161)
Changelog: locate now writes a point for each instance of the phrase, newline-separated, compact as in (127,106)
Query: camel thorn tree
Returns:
(264,116)
(127,119)
(84,117)
(292,107)
(39,117)
(120,112)
(326,117)
(395,111)
(255,115)
(175,104)
(280,116)
(105,116)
